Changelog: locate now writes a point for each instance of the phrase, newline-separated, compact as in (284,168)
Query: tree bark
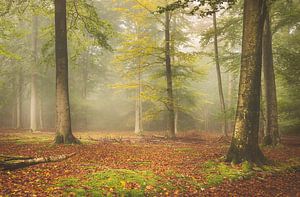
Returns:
(170,101)
(271,128)
(33,91)
(63,117)
(244,144)
(221,95)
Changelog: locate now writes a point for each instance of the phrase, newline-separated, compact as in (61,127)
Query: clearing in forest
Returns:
(107,164)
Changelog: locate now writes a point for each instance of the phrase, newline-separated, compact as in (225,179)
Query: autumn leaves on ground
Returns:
(122,164)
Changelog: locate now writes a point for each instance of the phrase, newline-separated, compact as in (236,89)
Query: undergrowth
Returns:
(124,182)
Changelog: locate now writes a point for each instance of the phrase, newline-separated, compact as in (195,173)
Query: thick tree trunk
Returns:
(244,144)
(11,163)
(170,102)
(221,95)
(33,91)
(271,128)
(63,116)
(19,99)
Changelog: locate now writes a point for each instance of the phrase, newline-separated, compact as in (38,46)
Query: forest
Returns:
(149,98)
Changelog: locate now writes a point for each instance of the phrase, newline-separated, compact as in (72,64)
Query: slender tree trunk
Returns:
(244,144)
(33,91)
(63,116)
(138,129)
(173,60)
(84,91)
(140,100)
(170,102)
(19,98)
(229,99)
(176,121)
(138,107)
(13,107)
(221,95)
(272,133)
(41,119)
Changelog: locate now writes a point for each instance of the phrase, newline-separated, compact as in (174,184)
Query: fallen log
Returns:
(8,157)
(19,162)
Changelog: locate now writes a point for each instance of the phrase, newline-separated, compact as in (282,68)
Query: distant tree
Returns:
(244,144)
(221,95)
(63,118)
(33,82)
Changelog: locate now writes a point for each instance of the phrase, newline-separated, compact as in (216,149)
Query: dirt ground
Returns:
(178,164)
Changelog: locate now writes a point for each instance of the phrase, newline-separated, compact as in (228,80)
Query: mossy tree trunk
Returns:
(244,144)
(271,127)
(63,118)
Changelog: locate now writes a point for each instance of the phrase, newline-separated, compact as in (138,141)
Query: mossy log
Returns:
(15,162)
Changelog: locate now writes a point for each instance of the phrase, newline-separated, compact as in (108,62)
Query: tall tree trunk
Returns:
(229,99)
(13,107)
(221,95)
(63,116)
(170,102)
(272,133)
(138,129)
(138,107)
(244,144)
(19,98)
(33,91)
(84,90)
(173,60)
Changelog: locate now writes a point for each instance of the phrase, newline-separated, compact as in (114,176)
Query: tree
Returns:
(244,144)
(19,98)
(33,83)
(221,95)
(170,101)
(271,127)
(63,117)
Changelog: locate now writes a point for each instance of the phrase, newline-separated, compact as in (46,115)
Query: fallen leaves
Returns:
(182,157)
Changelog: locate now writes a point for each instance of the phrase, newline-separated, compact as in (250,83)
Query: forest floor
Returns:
(122,164)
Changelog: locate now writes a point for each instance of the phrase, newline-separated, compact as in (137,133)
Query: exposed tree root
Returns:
(15,162)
